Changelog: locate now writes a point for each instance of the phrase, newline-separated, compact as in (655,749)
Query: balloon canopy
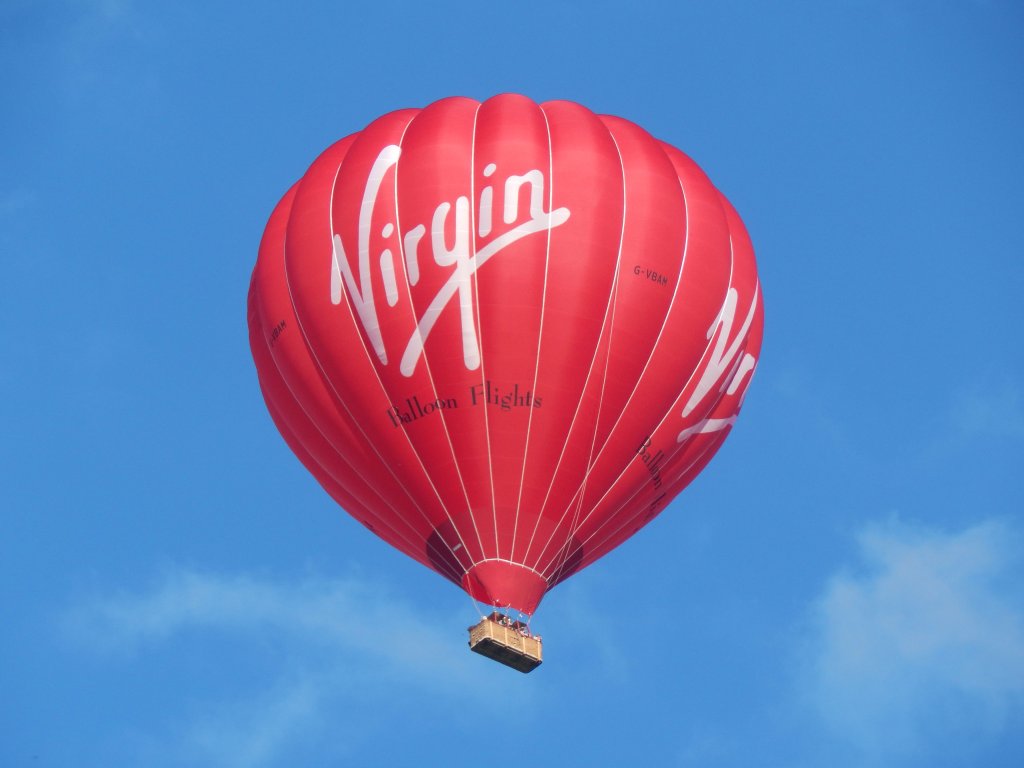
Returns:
(503,335)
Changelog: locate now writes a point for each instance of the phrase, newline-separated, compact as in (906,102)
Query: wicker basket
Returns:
(506,644)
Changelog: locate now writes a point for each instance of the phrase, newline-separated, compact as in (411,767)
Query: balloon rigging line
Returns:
(638,514)
(677,290)
(281,386)
(708,348)
(610,310)
(338,399)
(605,323)
(405,544)
(608,321)
(433,384)
(380,383)
(480,333)
(677,475)
(540,331)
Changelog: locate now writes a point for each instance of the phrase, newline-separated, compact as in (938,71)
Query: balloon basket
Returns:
(507,642)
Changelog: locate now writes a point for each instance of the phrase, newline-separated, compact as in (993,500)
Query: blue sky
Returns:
(843,586)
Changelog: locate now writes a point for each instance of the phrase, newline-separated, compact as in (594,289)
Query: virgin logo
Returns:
(726,367)
(461,255)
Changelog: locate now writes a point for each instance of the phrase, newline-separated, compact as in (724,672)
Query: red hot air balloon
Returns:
(504,335)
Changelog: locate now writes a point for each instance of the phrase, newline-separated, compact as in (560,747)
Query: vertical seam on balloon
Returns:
(286,391)
(606,321)
(682,389)
(677,290)
(273,406)
(433,387)
(540,332)
(626,523)
(572,424)
(408,545)
(678,475)
(341,401)
(284,256)
(613,304)
(577,502)
(480,338)
(355,421)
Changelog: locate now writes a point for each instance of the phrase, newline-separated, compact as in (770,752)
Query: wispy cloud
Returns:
(349,613)
(922,647)
(88,31)
(98,18)
(997,411)
(339,644)
(14,201)
(252,733)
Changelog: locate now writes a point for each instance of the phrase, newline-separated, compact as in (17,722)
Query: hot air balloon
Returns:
(504,336)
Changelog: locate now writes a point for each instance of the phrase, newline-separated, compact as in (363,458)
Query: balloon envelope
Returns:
(504,335)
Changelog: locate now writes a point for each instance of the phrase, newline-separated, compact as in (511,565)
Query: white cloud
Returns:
(338,644)
(91,43)
(922,649)
(352,614)
(111,10)
(247,734)
(13,202)
(995,412)
(99,17)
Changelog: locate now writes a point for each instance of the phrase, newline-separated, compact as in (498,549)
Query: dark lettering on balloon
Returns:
(276,332)
(652,508)
(506,399)
(650,274)
(653,460)
(415,409)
